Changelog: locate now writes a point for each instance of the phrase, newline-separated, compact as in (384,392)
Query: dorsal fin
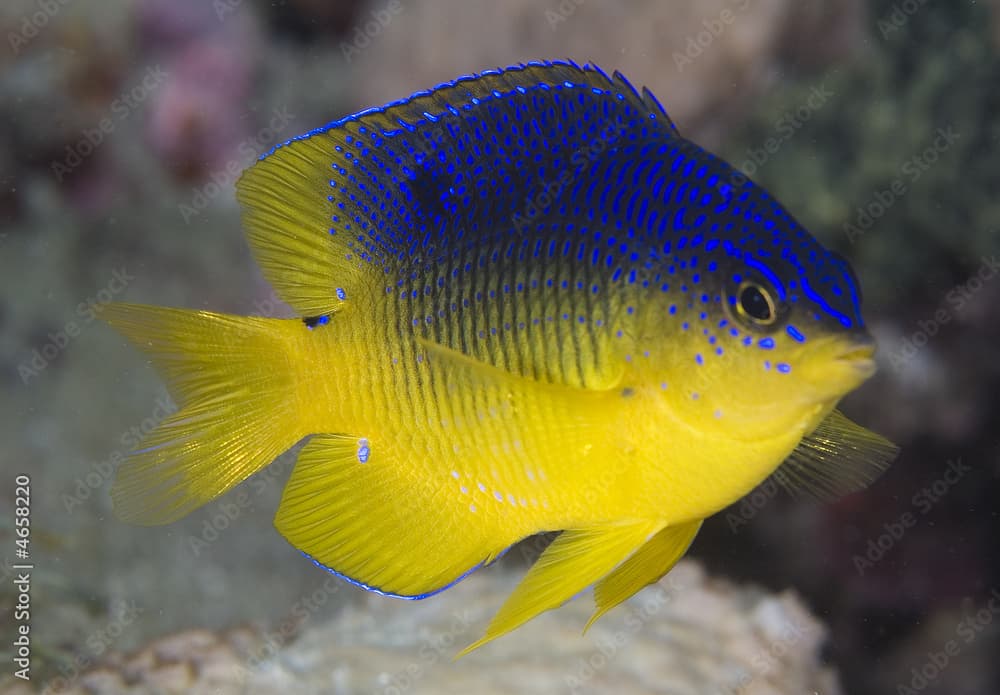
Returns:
(387,190)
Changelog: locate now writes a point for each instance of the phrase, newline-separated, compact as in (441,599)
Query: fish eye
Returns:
(755,304)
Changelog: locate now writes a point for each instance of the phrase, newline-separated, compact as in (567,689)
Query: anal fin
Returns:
(576,559)
(647,565)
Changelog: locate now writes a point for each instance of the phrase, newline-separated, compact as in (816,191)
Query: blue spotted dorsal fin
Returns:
(391,189)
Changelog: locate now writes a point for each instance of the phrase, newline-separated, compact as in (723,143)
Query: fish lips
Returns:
(858,354)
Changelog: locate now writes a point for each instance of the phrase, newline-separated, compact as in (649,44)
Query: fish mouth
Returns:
(859,354)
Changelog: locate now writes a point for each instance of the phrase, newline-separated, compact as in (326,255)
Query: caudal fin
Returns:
(237,411)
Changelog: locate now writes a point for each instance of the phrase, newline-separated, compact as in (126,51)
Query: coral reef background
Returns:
(124,126)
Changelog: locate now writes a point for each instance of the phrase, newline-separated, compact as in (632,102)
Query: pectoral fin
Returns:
(575,560)
(646,566)
(835,459)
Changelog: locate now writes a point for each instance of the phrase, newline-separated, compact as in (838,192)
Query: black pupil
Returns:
(755,304)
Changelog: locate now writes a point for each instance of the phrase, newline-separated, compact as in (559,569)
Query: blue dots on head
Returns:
(364,451)
(766,343)
(794,333)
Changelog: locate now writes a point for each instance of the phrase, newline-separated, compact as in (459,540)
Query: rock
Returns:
(689,633)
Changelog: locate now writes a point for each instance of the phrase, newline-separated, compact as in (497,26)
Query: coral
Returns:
(690,633)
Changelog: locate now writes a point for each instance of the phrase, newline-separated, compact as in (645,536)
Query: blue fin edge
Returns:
(417,597)
(358,115)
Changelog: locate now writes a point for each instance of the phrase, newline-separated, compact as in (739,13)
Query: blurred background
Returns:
(123,125)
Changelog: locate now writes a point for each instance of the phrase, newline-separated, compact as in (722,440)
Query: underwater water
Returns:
(125,126)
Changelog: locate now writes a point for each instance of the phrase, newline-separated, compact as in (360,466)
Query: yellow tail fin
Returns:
(236,394)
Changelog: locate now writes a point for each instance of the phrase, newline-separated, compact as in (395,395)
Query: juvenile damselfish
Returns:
(526,304)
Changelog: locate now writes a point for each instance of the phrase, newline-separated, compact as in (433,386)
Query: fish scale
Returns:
(525,304)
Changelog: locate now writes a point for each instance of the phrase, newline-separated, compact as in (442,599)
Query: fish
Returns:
(524,303)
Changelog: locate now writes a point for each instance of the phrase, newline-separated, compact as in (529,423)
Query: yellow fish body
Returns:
(527,304)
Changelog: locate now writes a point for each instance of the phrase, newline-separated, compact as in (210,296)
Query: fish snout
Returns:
(859,352)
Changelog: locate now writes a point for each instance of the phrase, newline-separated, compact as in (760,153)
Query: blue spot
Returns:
(698,359)
(364,451)
(783,367)
(794,332)
(766,343)
(341,295)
